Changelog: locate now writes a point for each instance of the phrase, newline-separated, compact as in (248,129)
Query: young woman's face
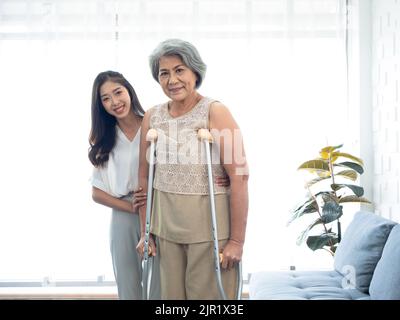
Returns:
(115,99)
(176,79)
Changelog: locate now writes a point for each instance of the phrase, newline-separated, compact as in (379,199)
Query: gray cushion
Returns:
(301,285)
(361,248)
(385,284)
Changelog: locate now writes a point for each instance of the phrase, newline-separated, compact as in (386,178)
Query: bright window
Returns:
(279,65)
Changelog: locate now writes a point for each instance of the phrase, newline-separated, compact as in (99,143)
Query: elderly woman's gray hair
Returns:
(183,49)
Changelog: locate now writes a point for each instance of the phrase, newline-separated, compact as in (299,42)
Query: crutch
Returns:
(147,261)
(205,136)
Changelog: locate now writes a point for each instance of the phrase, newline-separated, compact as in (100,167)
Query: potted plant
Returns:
(328,190)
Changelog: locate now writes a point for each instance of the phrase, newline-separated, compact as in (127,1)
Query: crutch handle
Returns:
(204,134)
(151,135)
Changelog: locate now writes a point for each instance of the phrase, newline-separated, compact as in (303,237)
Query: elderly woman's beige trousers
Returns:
(187,272)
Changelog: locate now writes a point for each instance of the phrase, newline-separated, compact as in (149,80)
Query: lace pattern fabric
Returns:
(181,165)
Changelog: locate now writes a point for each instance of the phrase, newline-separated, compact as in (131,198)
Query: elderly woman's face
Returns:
(176,79)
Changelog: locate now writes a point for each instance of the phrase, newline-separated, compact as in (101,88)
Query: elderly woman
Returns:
(181,211)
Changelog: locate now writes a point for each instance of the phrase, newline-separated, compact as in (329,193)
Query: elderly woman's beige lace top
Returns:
(181,161)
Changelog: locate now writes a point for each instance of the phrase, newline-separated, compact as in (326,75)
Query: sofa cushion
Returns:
(301,285)
(385,283)
(361,248)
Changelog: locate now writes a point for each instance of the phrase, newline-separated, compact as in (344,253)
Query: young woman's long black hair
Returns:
(103,132)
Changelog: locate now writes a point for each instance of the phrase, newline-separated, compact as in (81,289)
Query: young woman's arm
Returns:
(228,137)
(101,197)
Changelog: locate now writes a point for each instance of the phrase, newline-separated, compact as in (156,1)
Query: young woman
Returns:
(114,152)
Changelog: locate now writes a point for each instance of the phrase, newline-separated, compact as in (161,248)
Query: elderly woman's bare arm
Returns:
(228,137)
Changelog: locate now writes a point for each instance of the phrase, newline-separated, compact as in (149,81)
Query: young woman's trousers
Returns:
(127,265)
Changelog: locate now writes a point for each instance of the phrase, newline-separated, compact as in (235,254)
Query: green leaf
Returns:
(304,234)
(349,156)
(350,165)
(331,148)
(307,207)
(322,240)
(305,203)
(353,198)
(333,248)
(327,153)
(350,174)
(358,191)
(328,196)
(331,211)
(323,174)
(315,165)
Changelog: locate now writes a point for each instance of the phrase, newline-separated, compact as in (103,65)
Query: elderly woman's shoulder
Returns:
(218,107)
(221,117)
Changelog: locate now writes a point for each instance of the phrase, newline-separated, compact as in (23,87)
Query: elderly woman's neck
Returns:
(179,107)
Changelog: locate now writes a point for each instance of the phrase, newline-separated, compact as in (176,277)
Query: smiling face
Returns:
(176,79)
(115,99)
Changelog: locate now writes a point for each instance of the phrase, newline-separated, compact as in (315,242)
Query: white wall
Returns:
(386,106)
(359,91)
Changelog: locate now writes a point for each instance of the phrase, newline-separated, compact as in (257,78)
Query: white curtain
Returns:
(279,65)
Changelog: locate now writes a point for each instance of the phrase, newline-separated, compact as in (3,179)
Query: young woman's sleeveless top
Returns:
(181,160)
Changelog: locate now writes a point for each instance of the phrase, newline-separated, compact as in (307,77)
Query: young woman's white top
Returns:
(119,176)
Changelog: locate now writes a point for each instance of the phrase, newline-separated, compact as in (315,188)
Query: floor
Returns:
(67,293)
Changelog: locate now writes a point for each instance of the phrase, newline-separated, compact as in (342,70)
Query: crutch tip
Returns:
(204,134)
(151,135)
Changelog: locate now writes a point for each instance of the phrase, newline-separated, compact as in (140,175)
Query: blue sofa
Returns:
(366,266)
